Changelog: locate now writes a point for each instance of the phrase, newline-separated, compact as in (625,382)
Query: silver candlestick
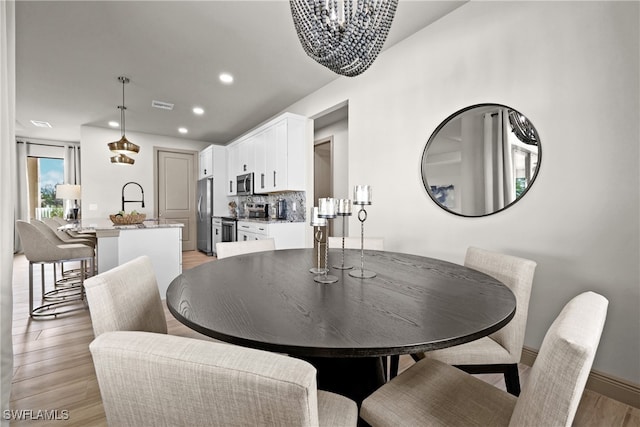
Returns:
(344,210)
(318,223)
(326,210)
(362,197)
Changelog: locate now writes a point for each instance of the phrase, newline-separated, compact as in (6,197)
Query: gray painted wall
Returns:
(570,67)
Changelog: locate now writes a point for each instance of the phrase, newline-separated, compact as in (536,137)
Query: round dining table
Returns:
(270,301)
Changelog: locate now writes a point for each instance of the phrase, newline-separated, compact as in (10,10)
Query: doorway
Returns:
(175,191)
(323,175)
(331,159)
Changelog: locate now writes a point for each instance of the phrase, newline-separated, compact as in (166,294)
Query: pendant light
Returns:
(123,147)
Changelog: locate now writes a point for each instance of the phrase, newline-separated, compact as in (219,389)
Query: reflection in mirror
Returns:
(481,160)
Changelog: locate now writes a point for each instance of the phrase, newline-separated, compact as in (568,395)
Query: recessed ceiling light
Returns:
(114,124)
(183,130)
(40,124)
(226,78)
(198,110)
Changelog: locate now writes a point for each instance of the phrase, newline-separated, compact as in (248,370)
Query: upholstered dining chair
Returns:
(227,249)
(49,227)
(126,298)
(433,393)
(372,243)
(54,225)
(155,379)
(40,249)
(69,277)
(499,352)
(72,233)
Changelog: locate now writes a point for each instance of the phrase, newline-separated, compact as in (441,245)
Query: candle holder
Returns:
(318,223)
(344,210)
(326,210)
(362,197)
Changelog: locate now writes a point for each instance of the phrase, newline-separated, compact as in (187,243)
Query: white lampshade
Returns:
(68,192)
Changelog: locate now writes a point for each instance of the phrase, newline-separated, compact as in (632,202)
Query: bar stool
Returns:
(39,249)
(64,238)
(57,237)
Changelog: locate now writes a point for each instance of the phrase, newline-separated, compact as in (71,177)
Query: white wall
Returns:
(572,69)
(102,181)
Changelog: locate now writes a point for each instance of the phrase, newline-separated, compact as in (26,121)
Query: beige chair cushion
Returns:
(371,243)
(163,380)
(126,298)
(505,345)
(227,249)
(432,393)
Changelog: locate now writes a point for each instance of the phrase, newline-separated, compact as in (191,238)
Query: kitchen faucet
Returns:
(132,201)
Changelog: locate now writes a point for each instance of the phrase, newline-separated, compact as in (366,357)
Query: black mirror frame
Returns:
(426,185)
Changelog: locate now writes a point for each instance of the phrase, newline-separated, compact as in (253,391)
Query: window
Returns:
(44,174)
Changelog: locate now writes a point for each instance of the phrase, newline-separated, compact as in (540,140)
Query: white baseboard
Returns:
(607,385)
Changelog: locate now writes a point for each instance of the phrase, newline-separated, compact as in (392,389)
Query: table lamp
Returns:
(68,192)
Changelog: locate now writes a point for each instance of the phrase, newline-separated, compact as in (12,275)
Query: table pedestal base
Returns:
(353,377)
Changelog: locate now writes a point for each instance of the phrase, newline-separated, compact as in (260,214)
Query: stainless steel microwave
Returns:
(244,184)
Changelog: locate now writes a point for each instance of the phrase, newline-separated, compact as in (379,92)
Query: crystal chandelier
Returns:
(523,128)
(343,35)
(123,146)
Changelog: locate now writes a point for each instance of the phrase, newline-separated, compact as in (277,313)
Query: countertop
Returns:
(101,224)
(264,220)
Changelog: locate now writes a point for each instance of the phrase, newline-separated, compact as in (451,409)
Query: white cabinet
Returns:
(216,230)
(276,153)
(205,163)
(232,169)
(246,156)
(260,163)
(286,147)
(248,230)
(287,235)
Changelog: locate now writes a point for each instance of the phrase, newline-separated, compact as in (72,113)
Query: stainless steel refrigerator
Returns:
(204,211)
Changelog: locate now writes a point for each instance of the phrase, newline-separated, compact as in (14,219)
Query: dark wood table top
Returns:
(269,301)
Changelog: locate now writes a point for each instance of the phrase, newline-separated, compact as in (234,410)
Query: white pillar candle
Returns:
(362,195)
(327,207)
(316,221)
(344,206)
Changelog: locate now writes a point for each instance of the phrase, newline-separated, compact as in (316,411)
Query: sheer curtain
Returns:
(499,183)
(7,193)
(72,164)
(22,191)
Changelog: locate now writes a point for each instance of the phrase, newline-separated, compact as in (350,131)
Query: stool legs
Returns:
(58,297)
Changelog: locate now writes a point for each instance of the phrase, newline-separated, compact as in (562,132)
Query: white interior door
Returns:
(176,185)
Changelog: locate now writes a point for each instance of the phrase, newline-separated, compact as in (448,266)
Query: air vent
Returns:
(162,105)
(40,124)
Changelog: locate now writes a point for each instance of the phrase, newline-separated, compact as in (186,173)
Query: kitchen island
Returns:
(160,240)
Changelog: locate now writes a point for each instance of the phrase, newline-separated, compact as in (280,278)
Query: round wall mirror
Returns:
(481,160)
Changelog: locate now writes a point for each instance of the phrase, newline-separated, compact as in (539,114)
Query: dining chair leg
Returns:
(394,363)
(509,370)
(512,379)
(30,288)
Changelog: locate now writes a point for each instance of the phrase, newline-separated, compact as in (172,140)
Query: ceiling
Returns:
(69,55)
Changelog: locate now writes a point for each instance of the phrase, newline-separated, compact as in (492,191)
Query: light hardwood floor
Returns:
(53,370)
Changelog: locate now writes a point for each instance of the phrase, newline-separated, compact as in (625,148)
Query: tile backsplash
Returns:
(294,199)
